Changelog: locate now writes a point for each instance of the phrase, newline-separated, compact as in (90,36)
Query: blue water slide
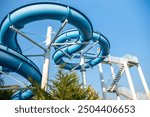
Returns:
(10,52)
(40,11)
(74,34)
(20,64)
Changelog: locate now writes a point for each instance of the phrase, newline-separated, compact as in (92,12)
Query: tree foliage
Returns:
(5,95)
(66,86)
(39,94)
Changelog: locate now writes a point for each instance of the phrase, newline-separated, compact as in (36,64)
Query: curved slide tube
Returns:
(72,34)
(13,59)
(20,64)
(40,11)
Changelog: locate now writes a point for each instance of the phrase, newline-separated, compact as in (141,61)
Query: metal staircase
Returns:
(125,63)
(122,91)
(116,79)
(125,92)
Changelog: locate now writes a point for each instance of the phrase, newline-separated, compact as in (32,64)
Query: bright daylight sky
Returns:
(124,22)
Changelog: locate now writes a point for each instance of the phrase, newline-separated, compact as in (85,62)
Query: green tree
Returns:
(66,86)
(5,94)
(39,94)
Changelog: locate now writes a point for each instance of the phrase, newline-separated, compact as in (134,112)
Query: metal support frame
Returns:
(26,37)
(82,62)
(111,68)
(35,55)
(130,81)
(67,55)
(113,74)
(49,43)
(102,81)
(45,73)
(83,70)
(16,88)
(77,43)
(143,81)
(90,47)
(60,29)
(46,55)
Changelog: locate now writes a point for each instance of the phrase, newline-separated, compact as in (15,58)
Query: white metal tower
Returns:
(124,63)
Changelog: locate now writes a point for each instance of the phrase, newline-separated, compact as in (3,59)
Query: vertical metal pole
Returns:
(46,65)
(83,70)
(111,68)
(130,81)
(113,73)
(102,81)
(143,80)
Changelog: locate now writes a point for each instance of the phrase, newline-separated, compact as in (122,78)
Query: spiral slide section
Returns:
(10,52)
(74,34)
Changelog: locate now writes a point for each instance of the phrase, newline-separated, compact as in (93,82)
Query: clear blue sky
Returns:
(124,22)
